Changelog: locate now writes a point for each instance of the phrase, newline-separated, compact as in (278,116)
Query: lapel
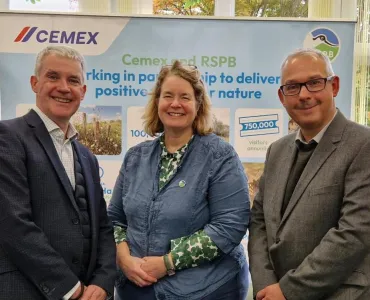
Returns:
(45,140)
(90,185)
(324,149)
(284,168)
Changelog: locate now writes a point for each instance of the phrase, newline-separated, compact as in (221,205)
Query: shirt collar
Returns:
(52,127)
(317,138)
(165,151)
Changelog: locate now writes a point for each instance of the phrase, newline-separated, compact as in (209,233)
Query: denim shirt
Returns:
(209,191)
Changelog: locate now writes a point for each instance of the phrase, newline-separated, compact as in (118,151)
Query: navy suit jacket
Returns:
(41,239)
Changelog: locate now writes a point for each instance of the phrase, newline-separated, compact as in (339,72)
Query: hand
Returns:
(271,292)
(154,266)
(131,266)
(94,292)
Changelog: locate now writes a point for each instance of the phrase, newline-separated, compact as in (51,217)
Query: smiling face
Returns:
(310,110)
(177,106)
(59,88)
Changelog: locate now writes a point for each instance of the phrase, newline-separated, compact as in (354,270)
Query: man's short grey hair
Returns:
(312,52)
(63,51)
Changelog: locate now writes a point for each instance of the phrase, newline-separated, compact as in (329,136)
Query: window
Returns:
(44,5)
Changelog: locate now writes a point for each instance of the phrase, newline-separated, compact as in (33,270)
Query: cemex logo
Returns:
(56,36)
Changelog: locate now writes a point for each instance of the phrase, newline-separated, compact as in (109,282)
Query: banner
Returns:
(239,59)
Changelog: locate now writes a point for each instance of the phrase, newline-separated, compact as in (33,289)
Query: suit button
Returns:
(75,221)
(45,289)
(75,261)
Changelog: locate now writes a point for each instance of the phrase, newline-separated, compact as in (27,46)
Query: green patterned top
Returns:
(189,251)
(170,161)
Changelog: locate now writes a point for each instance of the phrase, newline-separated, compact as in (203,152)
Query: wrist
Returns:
(170,260)
(167,259)
(123,252)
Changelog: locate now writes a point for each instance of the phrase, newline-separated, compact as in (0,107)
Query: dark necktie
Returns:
(303,155)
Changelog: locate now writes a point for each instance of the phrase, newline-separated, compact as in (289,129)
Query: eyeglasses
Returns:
(314,85)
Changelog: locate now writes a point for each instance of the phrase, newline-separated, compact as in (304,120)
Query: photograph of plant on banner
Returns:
(100,128)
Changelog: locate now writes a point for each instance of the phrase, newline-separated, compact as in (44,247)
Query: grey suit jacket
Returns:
(41,238)
(320,247)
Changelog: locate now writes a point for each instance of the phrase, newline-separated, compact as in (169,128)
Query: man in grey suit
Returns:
(310,224)
(56,241)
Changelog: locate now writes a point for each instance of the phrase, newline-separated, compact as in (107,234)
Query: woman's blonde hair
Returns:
(202,124)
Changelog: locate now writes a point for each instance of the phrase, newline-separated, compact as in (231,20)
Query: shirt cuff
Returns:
(193,250)
(71,292)
(119,234)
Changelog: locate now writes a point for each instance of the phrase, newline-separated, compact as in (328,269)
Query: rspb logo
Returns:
(324,40)
(56,36)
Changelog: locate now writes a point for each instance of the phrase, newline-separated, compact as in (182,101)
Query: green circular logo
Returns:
(182,183)
(324,40)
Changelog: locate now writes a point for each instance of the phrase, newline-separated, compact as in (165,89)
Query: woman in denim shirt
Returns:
(180,206)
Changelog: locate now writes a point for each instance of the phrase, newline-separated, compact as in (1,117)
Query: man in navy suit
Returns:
(56,241)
